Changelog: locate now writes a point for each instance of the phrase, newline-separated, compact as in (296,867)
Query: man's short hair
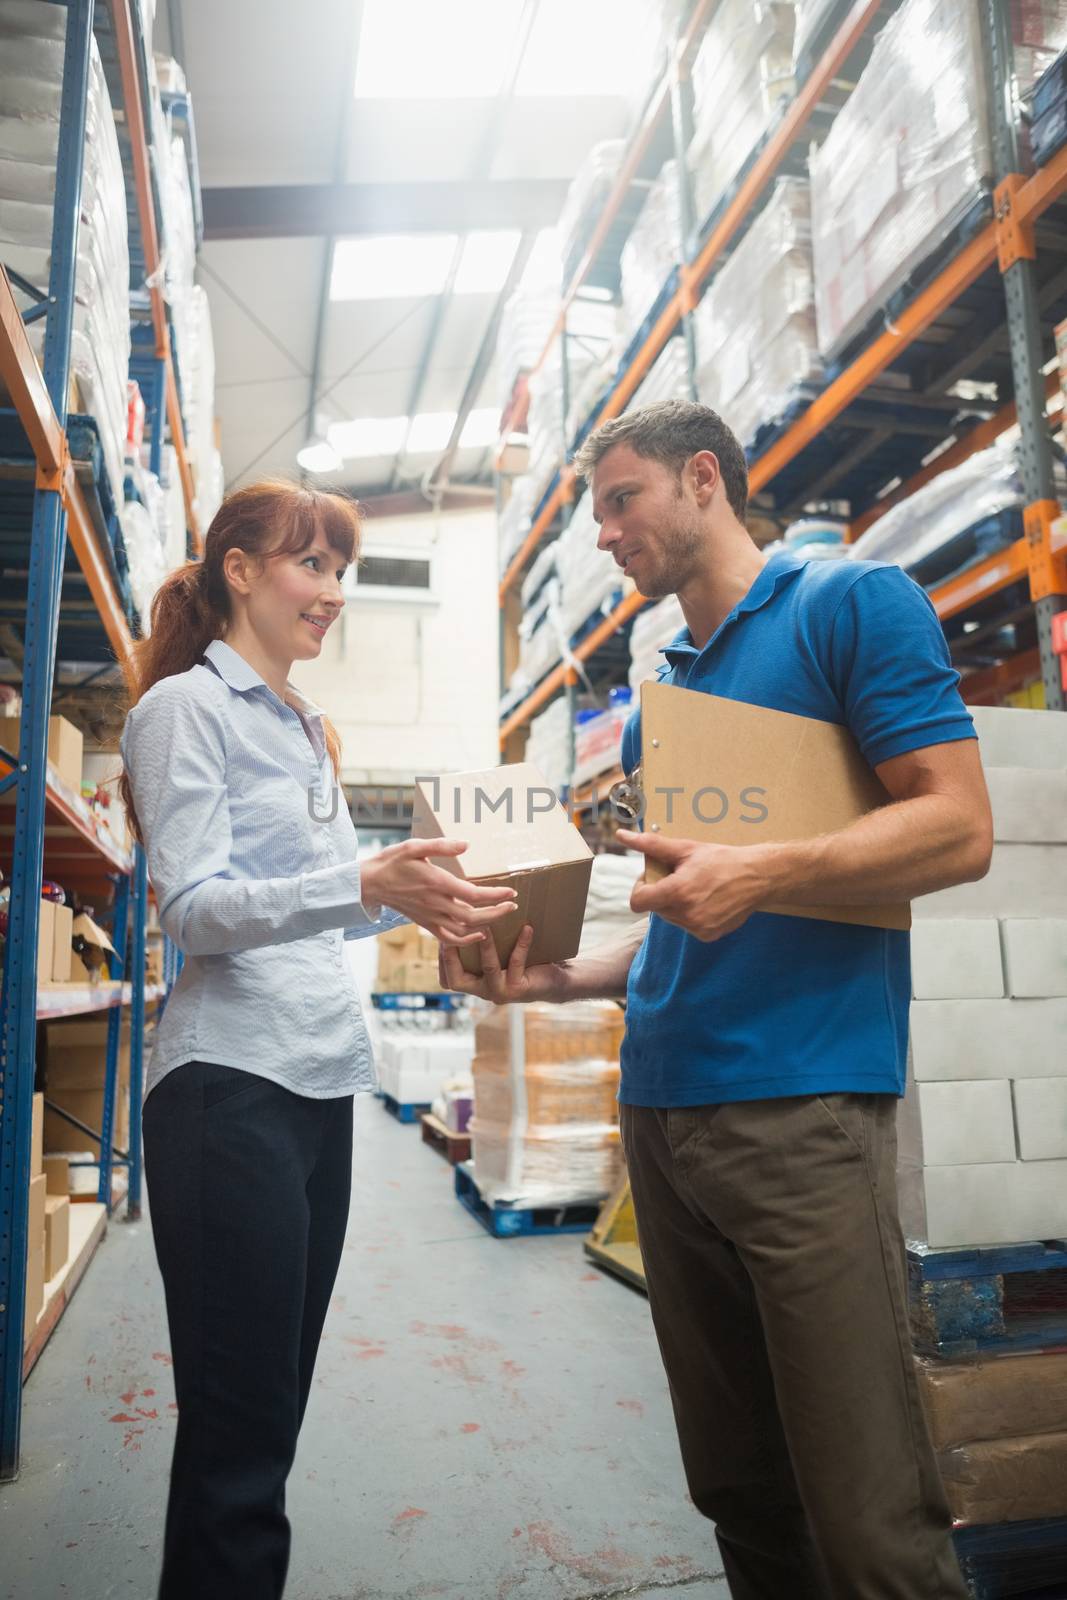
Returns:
(673,431)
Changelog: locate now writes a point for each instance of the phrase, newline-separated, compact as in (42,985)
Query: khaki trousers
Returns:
(776,1279)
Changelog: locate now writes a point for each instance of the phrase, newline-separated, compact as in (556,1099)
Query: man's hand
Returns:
(504,986)
(710,889)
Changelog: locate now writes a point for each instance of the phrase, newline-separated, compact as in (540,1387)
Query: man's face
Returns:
(648,522)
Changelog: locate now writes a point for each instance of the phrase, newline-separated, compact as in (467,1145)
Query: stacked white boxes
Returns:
(983,1135)
(902,164)
(31,81)
(414,1067)
(742,82)
(755,327)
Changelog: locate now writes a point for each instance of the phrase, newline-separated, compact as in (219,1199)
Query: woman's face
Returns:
(295,598)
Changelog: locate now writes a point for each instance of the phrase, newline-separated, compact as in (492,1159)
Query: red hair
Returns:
(193,605)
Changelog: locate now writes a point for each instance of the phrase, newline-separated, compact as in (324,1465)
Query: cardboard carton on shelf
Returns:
(56,1234)
(65,747)
(57,1174)
(722,772)
(35,1224)
(46,936)
(518,834)
(35,1282)
(37,1137)
(75,1064)
(62,951)
(91,944)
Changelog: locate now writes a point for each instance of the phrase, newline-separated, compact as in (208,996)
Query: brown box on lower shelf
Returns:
(998,1398)
(56,1234)
(1007,1480)
(75,1064)
(57,1175)
(35,1220)
(35,1281)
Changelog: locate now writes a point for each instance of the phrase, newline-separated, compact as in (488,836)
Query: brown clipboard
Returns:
(723,772)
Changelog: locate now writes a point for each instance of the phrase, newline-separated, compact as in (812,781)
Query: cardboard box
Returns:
(63,926)
(1008,738)
(956,959)
(37,1136)
(35,1219)
(57,1174)
(772,777)
(999,1398)
(1007,1480)
(1041,1118)
(968,1122)
(1035,956)
(88,1106)
(1029,806)
(65,747)
(1024,880)
(154,962)
(517,834)
(46,932)
(35,1281)
(94,945)
(954,1039)
(56,1235)
(997,1203)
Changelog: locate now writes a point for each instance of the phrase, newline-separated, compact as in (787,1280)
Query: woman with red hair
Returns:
(230,781)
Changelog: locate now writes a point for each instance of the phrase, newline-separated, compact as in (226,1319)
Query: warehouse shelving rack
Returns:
(51,827)
(982,311)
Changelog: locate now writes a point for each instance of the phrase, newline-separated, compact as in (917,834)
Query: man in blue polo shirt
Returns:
(764,1054)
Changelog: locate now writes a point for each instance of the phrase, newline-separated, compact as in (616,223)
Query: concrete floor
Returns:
(490,1420)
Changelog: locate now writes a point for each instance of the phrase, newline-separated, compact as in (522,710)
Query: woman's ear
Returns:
(238,568)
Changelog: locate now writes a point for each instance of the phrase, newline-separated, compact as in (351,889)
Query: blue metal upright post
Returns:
(120,939)
(18,1007)
(137,959)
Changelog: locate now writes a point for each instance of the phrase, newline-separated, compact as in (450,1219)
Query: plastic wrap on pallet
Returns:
(811,15)
(524,329)
(607,908)
(653,628)
(960,517)
(586,197)
(903,163)
(414,1067)
(594,344)
(755,326)
(540,636)
(199,392)
(653,249)
(513,523)
(545,1125)
(548,746)
(179,230)
(1006,1480)
(667,378)
(1039,33)
(597,742)
(543,568)
(589,579)
(31,79)
(742,82)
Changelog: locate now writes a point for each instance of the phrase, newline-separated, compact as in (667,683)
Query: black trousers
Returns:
(248,1187)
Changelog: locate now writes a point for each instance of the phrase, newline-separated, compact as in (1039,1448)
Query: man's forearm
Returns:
(898,852)
(602,974)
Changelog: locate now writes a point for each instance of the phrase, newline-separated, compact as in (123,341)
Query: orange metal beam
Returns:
(980,581)
(557,677)
(785,136)
(559,497)
(83,539)
(990,682)
(22,377)
(134,109)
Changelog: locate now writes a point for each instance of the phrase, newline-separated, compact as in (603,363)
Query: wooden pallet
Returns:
(455,1147)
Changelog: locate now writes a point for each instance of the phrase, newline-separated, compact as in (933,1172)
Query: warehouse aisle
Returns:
(490,1420)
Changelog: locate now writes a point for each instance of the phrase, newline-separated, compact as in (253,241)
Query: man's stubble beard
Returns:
(679,564)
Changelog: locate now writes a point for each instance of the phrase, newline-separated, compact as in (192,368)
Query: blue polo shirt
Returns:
(792,1005)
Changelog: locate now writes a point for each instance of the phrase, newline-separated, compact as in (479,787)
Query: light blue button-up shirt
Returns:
(252,855)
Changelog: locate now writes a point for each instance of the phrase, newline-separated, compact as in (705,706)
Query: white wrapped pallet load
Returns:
(586,197)
(540,638)
(667,378)
(199,385)
(148,566)
(598,738)
(742,82)
(513,523)
(31,79)
(653,249)
(524,329)
(548,746)
(607,908)
(653,628)
(755,327)
(902,164)
(589,579)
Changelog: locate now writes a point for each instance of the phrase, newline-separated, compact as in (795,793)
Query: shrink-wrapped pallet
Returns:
(667,378)
(742,81)
(653,249)
(755,327)
(653,628)
(548,746)
(545,1125)
(31,82)
(513,523)
(589,580)
(902,165)
(586,198)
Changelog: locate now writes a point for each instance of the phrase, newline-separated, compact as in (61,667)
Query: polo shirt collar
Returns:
(234,670)
(777,572)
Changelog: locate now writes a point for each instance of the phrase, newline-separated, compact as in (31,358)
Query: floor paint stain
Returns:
(128,1398)
(368,1355)
(471,1427)
(121,1416)
(147,1393)
(635,1406)
(599,1567)
(410,1515)
(589,1277)
(511,1369)
(161,1355)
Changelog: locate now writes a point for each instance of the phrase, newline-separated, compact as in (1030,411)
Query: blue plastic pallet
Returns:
(506,1221)
(1015,1559)
(404,1111)
(406,1001)
(1006,1299)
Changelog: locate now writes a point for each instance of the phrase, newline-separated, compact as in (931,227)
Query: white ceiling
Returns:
(272,94)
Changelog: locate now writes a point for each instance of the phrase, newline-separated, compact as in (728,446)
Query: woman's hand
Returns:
(403,878)
(505,985)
